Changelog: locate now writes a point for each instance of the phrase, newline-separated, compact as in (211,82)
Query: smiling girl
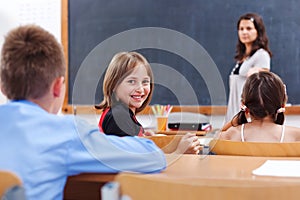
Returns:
(127,90)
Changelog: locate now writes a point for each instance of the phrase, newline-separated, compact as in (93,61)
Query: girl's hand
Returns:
(149,133)
(189,144)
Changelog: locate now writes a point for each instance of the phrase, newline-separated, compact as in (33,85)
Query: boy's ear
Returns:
(2,90)
(57,87)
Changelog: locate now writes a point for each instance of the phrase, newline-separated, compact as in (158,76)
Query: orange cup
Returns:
(161,123)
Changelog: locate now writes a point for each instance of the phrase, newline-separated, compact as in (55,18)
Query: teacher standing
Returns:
(252,55)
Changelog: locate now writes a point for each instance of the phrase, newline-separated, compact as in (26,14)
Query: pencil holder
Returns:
(162,123)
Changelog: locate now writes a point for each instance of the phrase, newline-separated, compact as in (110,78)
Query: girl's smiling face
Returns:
(135,88)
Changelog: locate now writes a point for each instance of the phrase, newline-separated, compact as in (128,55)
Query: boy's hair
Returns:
(264,94)
(260,42)
(122,65)
(31,59)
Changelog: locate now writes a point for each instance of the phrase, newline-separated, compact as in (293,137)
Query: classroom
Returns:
(190,47)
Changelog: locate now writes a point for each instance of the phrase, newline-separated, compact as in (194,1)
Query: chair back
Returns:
(265,149)
(8,180)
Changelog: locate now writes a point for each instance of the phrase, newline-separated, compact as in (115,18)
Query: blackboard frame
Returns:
(65,41)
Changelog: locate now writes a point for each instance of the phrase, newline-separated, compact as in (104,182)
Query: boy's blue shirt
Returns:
(43,149)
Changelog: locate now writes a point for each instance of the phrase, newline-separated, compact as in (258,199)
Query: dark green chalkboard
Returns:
(173,33)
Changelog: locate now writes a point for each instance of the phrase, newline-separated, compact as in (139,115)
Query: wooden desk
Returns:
(212,177)
(168,143)
(169,132)
(86,186)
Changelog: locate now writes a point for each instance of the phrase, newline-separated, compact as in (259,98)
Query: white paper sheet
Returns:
(283,168)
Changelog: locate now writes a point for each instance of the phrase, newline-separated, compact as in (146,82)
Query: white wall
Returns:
(8,20)
(46,13)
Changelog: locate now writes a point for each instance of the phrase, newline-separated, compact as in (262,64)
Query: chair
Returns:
(265,149)
(193,188)
(8,183)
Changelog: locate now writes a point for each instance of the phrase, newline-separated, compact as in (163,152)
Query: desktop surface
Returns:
(212,177)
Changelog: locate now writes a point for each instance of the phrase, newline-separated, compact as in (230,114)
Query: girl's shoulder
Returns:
(231,133)
(292,133)
(292,129)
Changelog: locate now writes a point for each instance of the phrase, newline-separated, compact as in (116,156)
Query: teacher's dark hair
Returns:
(261,41)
